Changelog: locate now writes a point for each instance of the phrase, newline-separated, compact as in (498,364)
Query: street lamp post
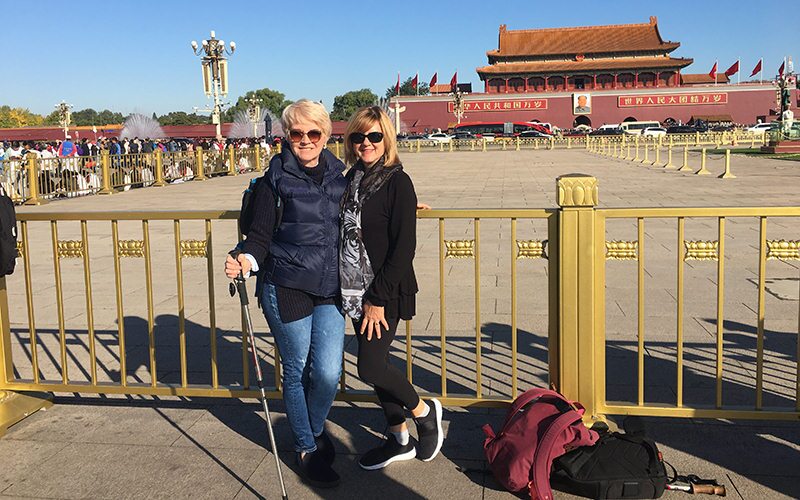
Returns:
(64,116)
(254,112)
(215,74)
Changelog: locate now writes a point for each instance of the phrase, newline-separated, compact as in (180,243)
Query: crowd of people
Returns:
(73,168)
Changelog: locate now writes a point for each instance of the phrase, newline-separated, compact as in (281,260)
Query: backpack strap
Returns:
(540,483)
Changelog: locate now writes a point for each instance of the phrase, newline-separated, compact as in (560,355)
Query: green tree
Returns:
(273,100)
(346,104)
(183,118)
(407,89)
(107,117)
(84,117)
(52,119)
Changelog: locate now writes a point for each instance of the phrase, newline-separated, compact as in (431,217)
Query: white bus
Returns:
(636,128)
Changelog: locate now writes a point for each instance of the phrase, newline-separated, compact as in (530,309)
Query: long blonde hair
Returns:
(364,119)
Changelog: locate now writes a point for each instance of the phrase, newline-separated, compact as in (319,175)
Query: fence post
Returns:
(14,406)
(472,145)
(258,156)
(231,160)
(703,170)
(569,142)
(200,175)
(484,145)
(581,269)
(104,165)
(697,138)
(685,167)
(669,164)
(338,155)
(646,154)
(552,142)
(418,145)
(727,174)
(33,181)
(159,173)
(657,147)
(517,148)
(450,145)
(636,158)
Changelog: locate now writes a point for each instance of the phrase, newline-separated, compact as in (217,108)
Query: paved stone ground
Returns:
(112,448)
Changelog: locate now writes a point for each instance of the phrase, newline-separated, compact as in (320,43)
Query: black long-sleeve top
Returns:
(292,304)
(389,230)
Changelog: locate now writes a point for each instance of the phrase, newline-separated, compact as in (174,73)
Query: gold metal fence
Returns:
(88,359)
(85,317)
(699,261)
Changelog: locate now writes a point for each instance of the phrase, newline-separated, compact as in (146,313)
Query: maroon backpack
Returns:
(540,426)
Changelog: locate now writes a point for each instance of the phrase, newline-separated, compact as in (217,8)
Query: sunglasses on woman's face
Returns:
(358,137)
(313,135)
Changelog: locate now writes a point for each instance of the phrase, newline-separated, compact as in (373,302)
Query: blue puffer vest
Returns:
(304,253)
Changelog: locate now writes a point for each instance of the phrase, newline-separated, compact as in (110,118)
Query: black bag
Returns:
(8,235)
(618,466)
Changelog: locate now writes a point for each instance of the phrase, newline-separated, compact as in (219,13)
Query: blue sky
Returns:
(135,56)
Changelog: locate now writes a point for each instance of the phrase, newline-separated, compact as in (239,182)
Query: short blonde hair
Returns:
(309,110)
(363,120)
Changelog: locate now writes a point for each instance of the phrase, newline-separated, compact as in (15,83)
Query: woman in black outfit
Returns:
(377,246)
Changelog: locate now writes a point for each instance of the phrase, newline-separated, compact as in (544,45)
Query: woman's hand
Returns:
(373,320)
(234,267)
(423,206)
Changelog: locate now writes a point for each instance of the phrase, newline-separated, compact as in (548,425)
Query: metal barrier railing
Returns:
(694,254)
(68,177)
(127,359)
(174,340)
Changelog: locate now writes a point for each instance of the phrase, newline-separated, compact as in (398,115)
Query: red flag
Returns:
(433,80)
(414,81)
(397,87)
(780,70)
(757,68)
(454,81)
(713,72)
(732,70)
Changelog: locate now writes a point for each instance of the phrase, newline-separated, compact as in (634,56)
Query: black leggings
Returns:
(391,386)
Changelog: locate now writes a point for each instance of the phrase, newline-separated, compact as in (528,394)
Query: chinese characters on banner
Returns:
(501,105)
(632,101)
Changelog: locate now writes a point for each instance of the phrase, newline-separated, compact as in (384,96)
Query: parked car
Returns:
(760,128)
(681,129)
(488,136)
(606,131)
(440,137)
(722,128)
(531,134)
(654,131)
(463,135)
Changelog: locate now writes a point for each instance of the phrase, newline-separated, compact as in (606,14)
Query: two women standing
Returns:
(361,228)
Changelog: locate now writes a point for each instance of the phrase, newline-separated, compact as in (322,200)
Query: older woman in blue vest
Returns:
(299,259)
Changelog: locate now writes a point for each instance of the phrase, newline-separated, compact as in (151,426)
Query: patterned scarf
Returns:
(355,269)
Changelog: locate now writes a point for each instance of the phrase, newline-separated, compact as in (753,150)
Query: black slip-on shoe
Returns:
(390,451)
(316,471)
(325,447)
(429,431)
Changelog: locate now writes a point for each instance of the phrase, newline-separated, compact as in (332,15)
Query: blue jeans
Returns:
(311,360)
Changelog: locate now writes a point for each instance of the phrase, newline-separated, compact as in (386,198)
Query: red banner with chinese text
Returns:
(501,105)
(632,101)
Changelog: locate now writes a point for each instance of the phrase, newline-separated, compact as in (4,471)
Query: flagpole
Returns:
(716,70)
(739,72)
(761,72)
